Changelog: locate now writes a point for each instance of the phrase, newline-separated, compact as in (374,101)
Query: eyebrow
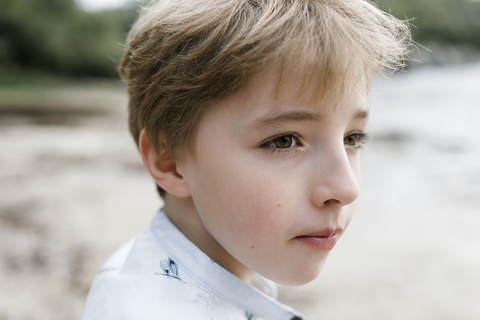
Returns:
(362,114)
(291,116)
(297,116)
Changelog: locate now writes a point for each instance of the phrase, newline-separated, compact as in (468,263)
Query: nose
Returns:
(336,180)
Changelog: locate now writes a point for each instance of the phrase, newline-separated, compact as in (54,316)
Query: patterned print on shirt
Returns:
(170,269)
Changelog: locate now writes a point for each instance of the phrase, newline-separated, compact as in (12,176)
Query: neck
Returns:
(183,214)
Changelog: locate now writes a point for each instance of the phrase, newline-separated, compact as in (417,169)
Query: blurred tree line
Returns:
(441,21)
(58,37)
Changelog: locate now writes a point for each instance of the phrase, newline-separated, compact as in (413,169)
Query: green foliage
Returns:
(442,21)
(57,36)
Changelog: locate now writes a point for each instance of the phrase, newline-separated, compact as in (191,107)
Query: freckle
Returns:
(252,247)
(279,204)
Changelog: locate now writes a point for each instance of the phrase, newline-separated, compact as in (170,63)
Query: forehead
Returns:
(276,91)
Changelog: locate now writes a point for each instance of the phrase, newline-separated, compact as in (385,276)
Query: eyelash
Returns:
(362,138)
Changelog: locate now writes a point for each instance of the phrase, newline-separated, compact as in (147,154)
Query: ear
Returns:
(162,168)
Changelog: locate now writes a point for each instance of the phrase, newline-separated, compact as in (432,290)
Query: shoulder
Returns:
(140,282)
(118,296)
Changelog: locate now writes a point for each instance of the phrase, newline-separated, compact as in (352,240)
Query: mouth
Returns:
(320,240)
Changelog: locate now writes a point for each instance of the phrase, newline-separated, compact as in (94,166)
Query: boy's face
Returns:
(274,180)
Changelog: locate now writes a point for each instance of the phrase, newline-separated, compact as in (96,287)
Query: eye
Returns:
(355,140)
(284,142)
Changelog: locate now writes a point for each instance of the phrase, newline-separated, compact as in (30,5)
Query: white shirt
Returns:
(161,275)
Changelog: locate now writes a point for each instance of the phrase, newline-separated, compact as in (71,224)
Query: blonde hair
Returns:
(182,55)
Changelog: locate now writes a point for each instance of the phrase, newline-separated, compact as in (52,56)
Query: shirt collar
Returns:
(215,278)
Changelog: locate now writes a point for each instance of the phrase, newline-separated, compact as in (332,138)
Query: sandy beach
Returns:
(73,189)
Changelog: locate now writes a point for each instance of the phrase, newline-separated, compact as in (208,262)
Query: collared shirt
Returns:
(160,275)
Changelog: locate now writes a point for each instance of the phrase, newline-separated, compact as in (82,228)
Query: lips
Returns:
(324,239)
(326,232)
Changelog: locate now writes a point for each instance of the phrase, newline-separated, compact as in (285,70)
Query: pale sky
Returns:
(96,5)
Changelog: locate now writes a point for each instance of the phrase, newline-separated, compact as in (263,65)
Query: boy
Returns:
(249,115)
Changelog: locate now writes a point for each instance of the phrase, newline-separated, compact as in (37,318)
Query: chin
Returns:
(300,276)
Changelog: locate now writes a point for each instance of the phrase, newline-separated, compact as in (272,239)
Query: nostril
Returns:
(331,201)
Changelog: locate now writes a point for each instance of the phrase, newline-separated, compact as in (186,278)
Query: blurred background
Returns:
(72,186)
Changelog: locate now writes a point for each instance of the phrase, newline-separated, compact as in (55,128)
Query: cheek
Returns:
(243,201)
(354,160)
(350,208)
